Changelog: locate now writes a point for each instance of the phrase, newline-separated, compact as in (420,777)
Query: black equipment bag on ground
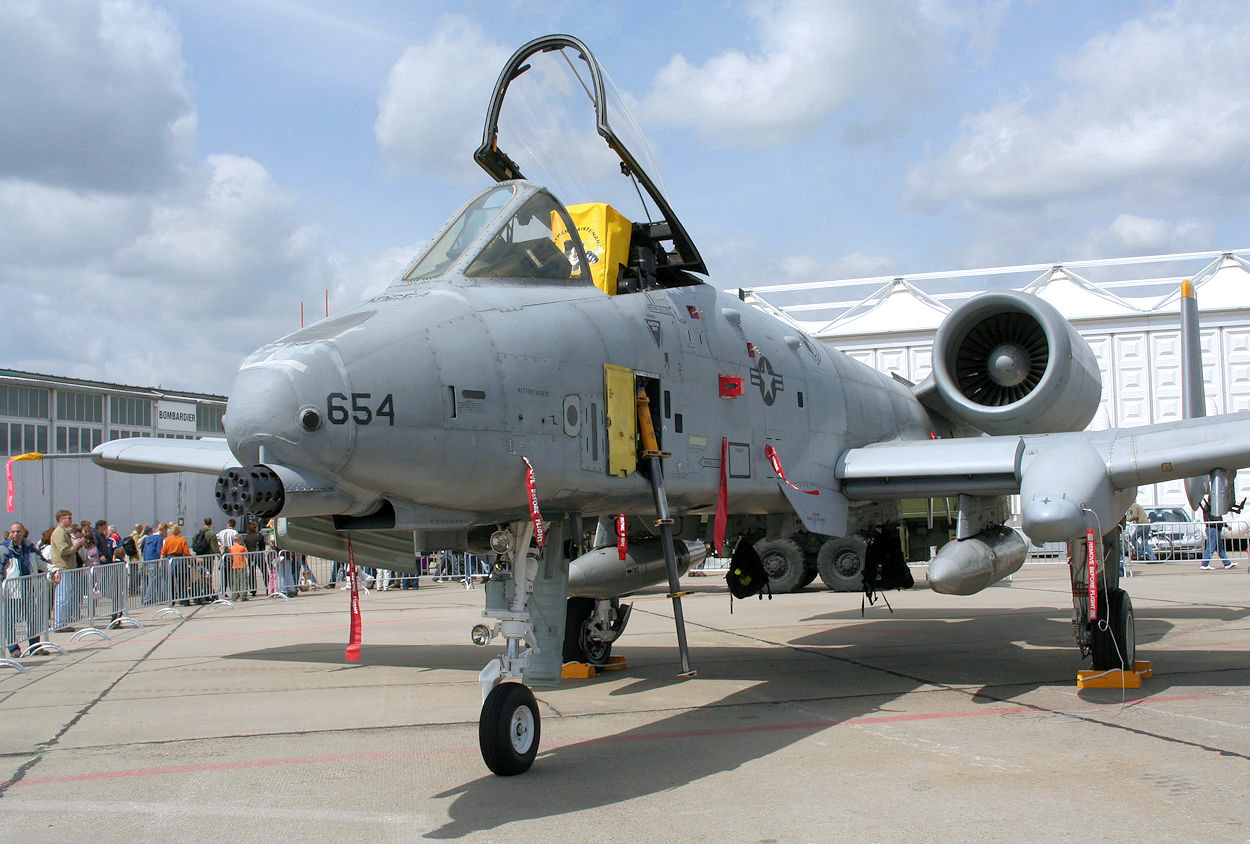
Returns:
(884,565)
(746,575)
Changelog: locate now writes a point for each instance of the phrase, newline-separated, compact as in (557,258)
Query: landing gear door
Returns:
(621,422)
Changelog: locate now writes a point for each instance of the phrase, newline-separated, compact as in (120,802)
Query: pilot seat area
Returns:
(605,234)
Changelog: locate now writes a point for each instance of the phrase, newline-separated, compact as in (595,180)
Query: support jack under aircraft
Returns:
(544,368)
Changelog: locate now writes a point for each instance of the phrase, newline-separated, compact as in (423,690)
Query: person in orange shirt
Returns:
(175,546)
(239,578)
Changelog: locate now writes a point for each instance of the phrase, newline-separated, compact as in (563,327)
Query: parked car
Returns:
(1173,535)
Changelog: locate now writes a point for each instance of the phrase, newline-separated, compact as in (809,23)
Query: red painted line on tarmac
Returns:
(808,725)
(852,722)
(339,626)
(665,736)
(230,766)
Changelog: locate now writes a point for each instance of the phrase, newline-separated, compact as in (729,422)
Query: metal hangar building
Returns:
(64,418)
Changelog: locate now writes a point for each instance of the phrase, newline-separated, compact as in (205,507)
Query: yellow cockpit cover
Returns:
(605,236)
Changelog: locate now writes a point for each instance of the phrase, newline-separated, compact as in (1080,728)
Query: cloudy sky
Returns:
(177,177)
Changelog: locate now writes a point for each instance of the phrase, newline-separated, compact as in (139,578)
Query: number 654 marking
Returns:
(337,411)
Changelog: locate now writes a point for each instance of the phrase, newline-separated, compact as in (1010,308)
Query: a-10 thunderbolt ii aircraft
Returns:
(541,369)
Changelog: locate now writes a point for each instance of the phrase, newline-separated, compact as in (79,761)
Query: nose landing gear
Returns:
(526,607)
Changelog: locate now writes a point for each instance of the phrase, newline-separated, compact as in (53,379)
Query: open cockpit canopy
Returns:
(513,230)
(560,109)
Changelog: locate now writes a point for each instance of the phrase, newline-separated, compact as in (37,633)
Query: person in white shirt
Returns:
(225,537)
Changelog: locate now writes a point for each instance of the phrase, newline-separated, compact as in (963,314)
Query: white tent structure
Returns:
(1127,310)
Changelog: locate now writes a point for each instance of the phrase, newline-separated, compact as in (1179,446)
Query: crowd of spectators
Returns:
(224,562)
(70,545)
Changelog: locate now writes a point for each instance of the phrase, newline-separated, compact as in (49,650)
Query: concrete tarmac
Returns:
(948,718)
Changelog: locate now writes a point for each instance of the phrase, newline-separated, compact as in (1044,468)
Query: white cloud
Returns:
(122,256)
(1129,234)
(94,95)
(1159,106)
(56,226)
(797,268)
(430,110)
(370,275)
(813,59)
(743,262)
(176,288)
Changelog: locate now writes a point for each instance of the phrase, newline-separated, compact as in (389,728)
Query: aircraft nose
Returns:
(278,402)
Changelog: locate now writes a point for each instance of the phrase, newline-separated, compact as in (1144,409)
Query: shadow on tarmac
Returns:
(818,680)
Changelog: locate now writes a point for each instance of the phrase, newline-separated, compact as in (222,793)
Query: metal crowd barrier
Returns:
(1189,541)
(87,596)
(95,599)
(26,615)
(193,579)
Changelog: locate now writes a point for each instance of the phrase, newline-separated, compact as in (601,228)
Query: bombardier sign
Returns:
(175,416)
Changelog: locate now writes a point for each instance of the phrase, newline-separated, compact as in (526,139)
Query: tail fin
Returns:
(1194,405)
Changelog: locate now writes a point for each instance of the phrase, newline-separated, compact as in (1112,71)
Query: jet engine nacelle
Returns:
(601,573)
(966,566)
(1008,363)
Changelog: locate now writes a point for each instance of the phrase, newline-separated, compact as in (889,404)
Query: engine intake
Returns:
(1008,362)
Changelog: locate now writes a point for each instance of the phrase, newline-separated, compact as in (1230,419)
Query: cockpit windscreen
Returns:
(475,217)
(526,246)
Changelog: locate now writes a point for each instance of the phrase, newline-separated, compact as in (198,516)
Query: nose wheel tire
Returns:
(508,729)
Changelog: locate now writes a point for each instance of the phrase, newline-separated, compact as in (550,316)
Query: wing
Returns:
(210,456)
(932,468)
(1066,482)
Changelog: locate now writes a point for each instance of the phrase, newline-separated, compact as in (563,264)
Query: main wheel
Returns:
(1114,640)
(508,729)
(578,646)
(841,564)
(783,563)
